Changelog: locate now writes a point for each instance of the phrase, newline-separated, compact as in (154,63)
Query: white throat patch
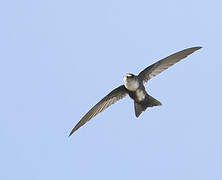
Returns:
(130,84)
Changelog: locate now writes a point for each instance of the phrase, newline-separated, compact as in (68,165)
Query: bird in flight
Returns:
(133,85)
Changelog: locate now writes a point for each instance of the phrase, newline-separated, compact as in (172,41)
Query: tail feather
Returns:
(153,102)
(139,108)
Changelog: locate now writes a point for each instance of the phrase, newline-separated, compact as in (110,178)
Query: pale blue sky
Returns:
(58,58)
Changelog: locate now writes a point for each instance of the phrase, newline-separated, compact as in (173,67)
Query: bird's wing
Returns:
(163,64)
(111,98)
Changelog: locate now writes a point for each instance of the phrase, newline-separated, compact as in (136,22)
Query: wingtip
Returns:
(193,49)
(71,133)
(77,126)
(198,47)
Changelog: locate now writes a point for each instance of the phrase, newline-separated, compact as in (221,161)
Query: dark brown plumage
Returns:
(111,98)
(163,64)
(140,105)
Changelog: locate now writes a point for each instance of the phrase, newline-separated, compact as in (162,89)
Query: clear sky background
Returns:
(58,58)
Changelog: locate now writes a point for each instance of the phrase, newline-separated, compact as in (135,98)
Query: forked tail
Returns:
(150,102)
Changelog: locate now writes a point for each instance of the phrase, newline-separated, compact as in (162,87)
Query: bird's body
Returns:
(137,92)
(134,87)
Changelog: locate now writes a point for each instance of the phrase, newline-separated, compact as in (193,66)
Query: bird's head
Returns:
(128,76)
